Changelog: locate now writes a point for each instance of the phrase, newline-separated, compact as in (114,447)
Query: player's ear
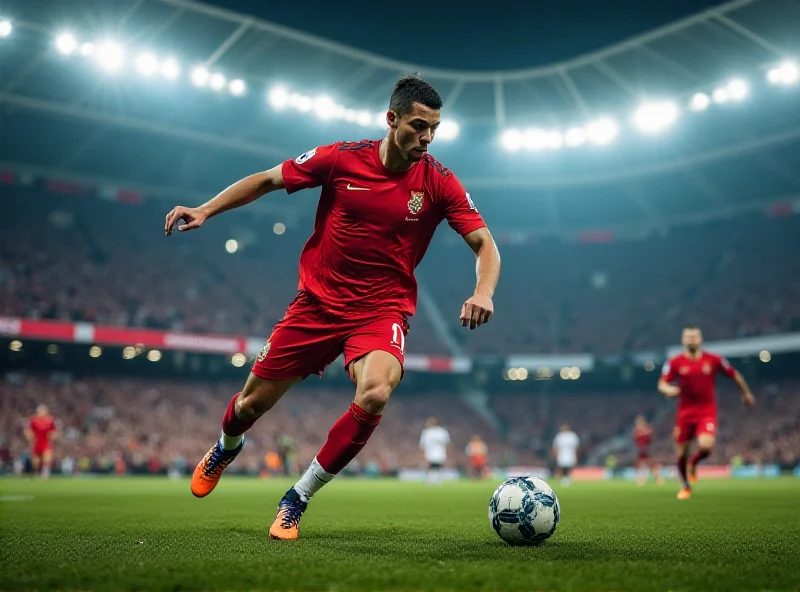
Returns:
(392,119)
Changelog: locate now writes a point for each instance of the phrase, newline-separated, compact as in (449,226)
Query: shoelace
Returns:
(216,463)
(291,515)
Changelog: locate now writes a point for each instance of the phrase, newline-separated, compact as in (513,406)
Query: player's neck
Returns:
(391,158)
(694,356)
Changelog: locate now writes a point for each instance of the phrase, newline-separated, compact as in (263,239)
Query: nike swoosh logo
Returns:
(351,188)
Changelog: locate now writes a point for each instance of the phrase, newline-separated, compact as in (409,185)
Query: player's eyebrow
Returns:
(420,119)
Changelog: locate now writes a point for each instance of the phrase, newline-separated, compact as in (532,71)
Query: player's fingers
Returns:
(477,311)
(174,216)
(487,314)
(190,224)
(466,313)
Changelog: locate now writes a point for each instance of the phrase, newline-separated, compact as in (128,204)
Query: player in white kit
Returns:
(565,449)
(433,442)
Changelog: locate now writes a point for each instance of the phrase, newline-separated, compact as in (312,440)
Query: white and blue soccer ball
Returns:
(524,511)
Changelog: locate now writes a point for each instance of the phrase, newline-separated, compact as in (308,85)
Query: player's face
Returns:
(692,339)
(41,410)
(414,131)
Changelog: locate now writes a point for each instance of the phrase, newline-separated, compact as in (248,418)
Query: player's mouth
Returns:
(419,150)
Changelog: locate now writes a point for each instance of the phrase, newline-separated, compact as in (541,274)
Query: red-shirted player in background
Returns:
(696,371)
(478,455)
(380,204)
(643,436)
(40,431)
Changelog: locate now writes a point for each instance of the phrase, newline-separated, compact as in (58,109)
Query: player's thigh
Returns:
(376,375)
(384,333)
(47,456)
(707,432)
(36,460)
(706,440)
(683,433)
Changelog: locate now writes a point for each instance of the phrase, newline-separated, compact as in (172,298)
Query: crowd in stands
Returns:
(84,259)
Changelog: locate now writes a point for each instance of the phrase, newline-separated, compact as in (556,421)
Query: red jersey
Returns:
(373,225)
(42,427)
(696,378)
(643,436)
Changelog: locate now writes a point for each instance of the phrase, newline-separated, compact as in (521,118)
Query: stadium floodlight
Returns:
(350,115)
(110,56)
(511,140)
(238,360)
(237,87)
(575,137)
(655,117)
(66,43)
(364,118)
(720,95)
(87,49)
(700,102)
(602,131)
(154,355)
(231,245)
(786,73)
(738,89)
(448,130)
(170,69)
(5,27)
(534,139)
(278,97)
(555,140)
(300,102)
(146,64)
(200,76)
(279,228)
(380,119)
(324,107)
(217,81)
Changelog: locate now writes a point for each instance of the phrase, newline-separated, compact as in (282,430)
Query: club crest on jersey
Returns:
(684,370)
(264,351)
(416,201)
(706,368)
(305,156)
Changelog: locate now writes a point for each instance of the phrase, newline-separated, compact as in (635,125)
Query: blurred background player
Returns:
(478,455)
(565,449)
(696,371)
(40,432)
(434,441)
(380,204)
(643,436)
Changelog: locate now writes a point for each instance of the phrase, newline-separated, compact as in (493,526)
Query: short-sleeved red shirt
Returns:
(696,379)
(373,225)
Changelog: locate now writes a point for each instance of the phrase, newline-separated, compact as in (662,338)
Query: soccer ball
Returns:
(524,511)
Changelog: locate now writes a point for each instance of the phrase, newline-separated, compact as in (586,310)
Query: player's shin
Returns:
(701,454)
(682,460)
(233,427)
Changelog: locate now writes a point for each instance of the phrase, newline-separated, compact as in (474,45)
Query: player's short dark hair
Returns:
(413,89)
(691,328)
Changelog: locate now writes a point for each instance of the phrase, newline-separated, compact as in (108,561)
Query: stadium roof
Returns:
(61,114)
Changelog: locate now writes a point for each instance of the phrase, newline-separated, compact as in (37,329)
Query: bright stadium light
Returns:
(87,49)
(231,245)
(720,95)
(279,228)
(655,117)
(217,81)
(238,360)
(700,102)
(738,89)
(110,56)
(448,130)
(15,345)
(278,97)
(302,103)
(95,351)
(200,76)
(237,87)
(5,27)
(380,118)
(555,140)
(66,43)
(575,137)
(787,73)
(511,140)
(170,69)
(146,64)
(534,139)
(364,118)
(324,107)
(602,131)
(350,115)
(154,355)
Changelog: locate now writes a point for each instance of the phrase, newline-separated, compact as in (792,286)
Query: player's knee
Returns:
(374,396)
(253,404)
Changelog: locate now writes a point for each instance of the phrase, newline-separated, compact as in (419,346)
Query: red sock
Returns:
(699,455)
(231,424)
(682,470)
(346,439)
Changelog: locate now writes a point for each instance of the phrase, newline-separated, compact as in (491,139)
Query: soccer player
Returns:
(433,441)
(565,449)
(380,204)
(696,371)
(478,455)
(643,436)
(40,432)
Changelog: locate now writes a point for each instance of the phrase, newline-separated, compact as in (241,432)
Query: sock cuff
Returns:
(364,418)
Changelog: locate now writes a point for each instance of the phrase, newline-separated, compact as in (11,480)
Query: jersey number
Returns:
(398,337)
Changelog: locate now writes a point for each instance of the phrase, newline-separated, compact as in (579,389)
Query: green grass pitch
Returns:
(151,534)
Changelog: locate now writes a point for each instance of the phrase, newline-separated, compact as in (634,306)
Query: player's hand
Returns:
(749,400)
(194,218)
(477,311)
(671,391)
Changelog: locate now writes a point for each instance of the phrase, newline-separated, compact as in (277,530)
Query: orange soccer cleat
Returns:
(692,474)
(209,470)
(287,522)
(684,493)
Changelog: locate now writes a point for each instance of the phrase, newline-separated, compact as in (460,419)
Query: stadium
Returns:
(640,183)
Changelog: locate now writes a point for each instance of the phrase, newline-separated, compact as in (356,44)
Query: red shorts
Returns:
(39,448)
(688,429)
(309,337)
(642,454)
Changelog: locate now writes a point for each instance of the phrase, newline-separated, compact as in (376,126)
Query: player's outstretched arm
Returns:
(667,389)
(239,194)
(478,309)
(747,396)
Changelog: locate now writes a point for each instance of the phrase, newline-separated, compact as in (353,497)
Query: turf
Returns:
(151,534)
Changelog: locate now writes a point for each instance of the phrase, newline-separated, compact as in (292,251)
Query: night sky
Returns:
(444,34)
